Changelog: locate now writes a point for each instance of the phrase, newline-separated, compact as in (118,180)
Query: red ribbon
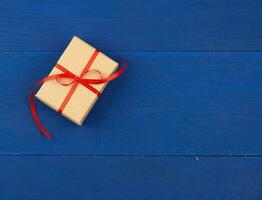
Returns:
(75,81)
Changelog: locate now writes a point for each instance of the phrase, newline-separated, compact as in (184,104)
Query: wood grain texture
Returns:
(171,103)
(45,177)
(132,25)
(192,87)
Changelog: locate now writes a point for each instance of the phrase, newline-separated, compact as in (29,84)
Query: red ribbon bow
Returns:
(75,81)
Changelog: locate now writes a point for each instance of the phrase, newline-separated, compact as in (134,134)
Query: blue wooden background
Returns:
(183,122)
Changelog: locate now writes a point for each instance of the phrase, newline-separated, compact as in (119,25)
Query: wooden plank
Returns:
(172,103)
(132,25)
(52,177)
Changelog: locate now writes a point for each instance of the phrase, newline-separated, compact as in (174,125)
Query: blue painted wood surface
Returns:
(117,177)
(132,25)
(184,121)
(171,103)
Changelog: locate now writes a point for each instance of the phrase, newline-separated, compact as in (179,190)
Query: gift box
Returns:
(70,98)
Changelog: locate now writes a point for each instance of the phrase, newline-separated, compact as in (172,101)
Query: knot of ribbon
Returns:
(84,81)
(75,80)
